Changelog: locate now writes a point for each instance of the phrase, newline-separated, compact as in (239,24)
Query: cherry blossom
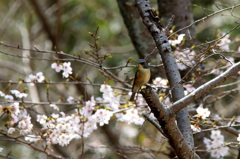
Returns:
(9,97)
(184,58)
(216,71)
(14,92)
(31,78)
(140,100)
(70,99)
(54,106)
(203,112)
(160,81)
(57,66)
(2,94)
(18,94)
(11,130)
(15,108)
(87,128)
(63,128)
(103,116)
(216,144)
(189,88)
(109,97)
(195,128)
(86,111)
(131,116)
(67,69)
(177,41)
(224,43)
(42,119)
(40,77)
(25,125)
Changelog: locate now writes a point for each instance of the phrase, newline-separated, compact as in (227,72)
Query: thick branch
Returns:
(141,39)
(173,75)
(177,106)
(168,125)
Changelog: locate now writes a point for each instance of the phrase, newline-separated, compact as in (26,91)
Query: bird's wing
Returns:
(137,74)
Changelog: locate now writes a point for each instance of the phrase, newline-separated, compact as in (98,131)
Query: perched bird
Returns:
(142,77)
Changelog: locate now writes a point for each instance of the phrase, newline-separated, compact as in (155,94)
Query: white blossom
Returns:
(67,69)
(18,94)
(54,106)
(2,94)
(216,71)
(11,130)
(216,144)
(203,112)
(160,81)
(25,125)
(31,78)
(111,100)
(41,119)
(131,116)
(40,77)
(70,99)
(224,43)
(8,97)
(189,88)
(103,116)
(184,58)
(195,128)
(177,41)
(57,66)
(15,109)
(86,111)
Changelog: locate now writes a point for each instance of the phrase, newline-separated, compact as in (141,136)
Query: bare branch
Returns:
(177,106)
(17,139)
(204,18)
(168,125)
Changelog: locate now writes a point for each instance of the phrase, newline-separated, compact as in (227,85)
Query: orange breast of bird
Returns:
(143,76)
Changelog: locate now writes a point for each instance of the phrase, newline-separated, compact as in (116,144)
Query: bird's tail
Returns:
(132,96)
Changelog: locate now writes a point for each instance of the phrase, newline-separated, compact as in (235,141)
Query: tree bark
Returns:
(173,75)
(140,37)
(182,10)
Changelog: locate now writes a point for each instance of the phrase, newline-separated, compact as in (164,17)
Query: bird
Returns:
(142,77)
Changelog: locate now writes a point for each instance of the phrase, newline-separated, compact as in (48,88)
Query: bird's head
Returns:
(142,63)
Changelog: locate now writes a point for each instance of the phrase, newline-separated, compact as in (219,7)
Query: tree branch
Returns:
(168,125)
(159,34)
(177,106)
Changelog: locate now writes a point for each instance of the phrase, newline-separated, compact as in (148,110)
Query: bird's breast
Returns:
(145,75)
